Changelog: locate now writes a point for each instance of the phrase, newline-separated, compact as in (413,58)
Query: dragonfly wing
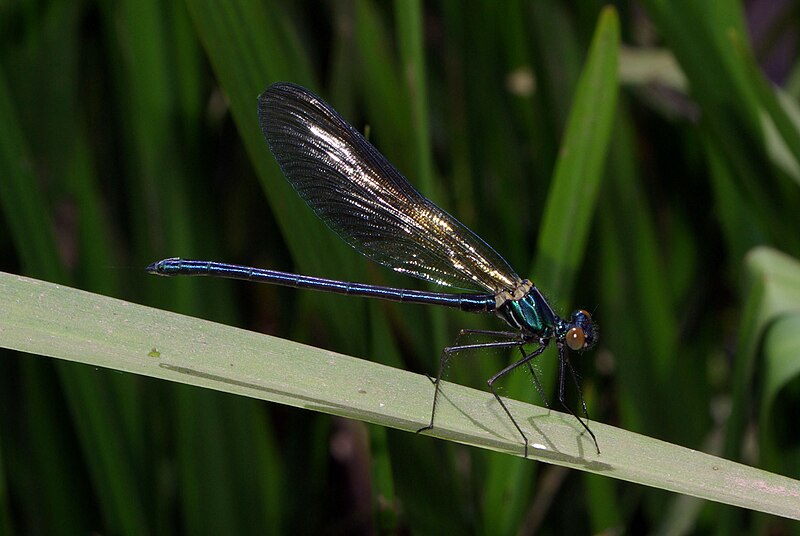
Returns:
(366,201)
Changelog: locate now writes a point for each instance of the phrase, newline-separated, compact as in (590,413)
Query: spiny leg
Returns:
(525,359)
(456,347)
(444,359)
(563,361)
(515,339)
(577,388)
(536,382)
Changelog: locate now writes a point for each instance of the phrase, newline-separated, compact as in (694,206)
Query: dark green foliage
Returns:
(128,133)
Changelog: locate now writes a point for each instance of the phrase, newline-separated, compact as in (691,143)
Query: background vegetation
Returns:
(129,134)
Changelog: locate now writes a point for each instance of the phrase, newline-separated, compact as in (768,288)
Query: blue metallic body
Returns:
(353,189)
(473,303)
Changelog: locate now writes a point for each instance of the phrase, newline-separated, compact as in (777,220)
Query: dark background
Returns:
(128,133)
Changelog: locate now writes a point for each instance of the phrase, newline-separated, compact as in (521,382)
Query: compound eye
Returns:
(586,314)
(576,339)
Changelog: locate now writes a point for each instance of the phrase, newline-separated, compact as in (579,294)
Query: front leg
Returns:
(563,365)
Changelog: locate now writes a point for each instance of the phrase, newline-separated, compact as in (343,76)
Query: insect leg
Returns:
(563,364)
(513,339)
(525,359)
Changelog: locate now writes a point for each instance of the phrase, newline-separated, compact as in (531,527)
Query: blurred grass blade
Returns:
(22,199)
(733,96)
(408,15)
(778,421)
(778,150)
(739,222)
(94,413)
(643,66)
(65,323)
(568,212)
(767,97)
(576,181)
(383,91)
(773,291)
(250,47)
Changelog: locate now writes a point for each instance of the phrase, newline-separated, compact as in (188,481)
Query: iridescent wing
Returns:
(366,201)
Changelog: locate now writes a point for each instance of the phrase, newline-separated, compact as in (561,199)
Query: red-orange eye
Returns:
(576,340)
(586,313)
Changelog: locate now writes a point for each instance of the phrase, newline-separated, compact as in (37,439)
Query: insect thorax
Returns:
(526,309)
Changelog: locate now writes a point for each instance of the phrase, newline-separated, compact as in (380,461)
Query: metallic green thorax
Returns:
(531,314)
